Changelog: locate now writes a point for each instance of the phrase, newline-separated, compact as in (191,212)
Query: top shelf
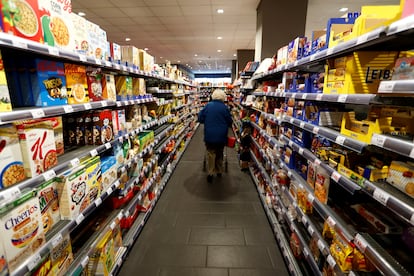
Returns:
(397,36)
(18,43)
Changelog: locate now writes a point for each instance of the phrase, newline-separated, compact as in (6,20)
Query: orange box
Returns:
(76,83)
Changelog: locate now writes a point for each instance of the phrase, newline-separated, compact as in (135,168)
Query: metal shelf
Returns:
(137,101)
(393,144)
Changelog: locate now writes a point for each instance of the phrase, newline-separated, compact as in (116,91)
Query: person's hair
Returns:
(218,94)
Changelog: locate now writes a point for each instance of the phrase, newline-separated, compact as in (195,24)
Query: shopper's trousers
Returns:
(214,158)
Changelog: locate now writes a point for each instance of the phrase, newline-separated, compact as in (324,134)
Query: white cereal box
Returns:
(21,229)
(11,161)
(37,143)
(80,34)
(49,204)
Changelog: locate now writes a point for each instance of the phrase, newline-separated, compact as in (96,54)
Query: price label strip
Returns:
(49,175)
(37,113)
(68,108)
(57,239)
(34,261)
(361,243)
(378,140)
(12,192)
(381,196)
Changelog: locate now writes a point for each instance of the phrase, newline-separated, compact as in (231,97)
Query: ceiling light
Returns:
(219,51)
(220,11)
(234,55)
(161,57)
(200,61)
(195,55)
(178,61)
(343,9)
(146,49)
(219,37)
(81,13)
(127,39)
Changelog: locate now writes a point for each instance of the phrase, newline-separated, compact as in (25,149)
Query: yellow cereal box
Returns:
(5,103)
(76,83)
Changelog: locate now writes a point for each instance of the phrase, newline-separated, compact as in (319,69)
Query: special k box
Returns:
(37,143)
(55,16)
(21,229)
(76,83)
(25,16)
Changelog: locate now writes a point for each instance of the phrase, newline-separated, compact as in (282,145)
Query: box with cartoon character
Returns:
(102,127)
(49,204)
(77,85)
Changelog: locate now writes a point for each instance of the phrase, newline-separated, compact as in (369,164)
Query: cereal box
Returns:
(102,127)
(80,35)
(118,122)
(49,204)
(25,17)
(93,33)
(116,52)
(76,82)
(72,189)
(130,55)
(94,77)
(109,171)
(4,269)
(11,161)
(103,258)
(88,128)
(103,44)
(58,132)
(138,87)
(55,17)
(6,22)
(43,268)
(21,229)
(37,143)
(61,256)
(123,87)
(93,178)
(108,87)
(5,102)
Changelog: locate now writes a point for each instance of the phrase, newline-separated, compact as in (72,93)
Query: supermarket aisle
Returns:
(199,228)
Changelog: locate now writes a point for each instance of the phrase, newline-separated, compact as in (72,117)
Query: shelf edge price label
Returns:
(342,98)
(68,108)
(79,219)
(108,63)
(386,86)
(381,196)
(317,162)
(301,150)
(361,243)
(37,113)
(82,58)
(331,261)
(336,176)
(304,96)
(53,51)
(363,38)
(113,225)
(315,130)
(321,245)
(304,220)
(302,124)
(331,221)
(290,143)
(49,175)
(98,61)
(340,140)
(57,239)
(87,106)
(75,162)
(108,145)
(319,97)
(93,152)
(34,261)
(378,140)
(85,262)
(104,103)
(98,201)
(311,198)
(292,120)
(109,191)
(329,51)
(310,230)
(19,44)
(12,192)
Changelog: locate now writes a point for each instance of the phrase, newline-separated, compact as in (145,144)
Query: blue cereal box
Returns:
(48,83)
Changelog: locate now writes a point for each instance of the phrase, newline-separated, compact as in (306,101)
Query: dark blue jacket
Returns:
(216,119)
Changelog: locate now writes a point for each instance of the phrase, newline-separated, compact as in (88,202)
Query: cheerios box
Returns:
(48,82)
(76,83)
(55,17)
(26,19)
(11,161)
(21,229)
(37,143)
(49,204)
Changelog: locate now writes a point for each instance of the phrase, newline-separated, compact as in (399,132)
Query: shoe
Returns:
(219,175)
(209,178)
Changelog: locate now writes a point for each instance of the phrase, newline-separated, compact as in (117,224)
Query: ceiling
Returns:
(186,31)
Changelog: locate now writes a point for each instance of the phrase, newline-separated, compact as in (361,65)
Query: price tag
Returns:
(304,220)
(82,58)
(93,152)
(295,63)
(12,192)
(104,103)
(304,96)
(319,97)
(117,183)
(378,140)
(87,106)
(121,139)
(331,221)
(74,162)
(139,197)
(290,143)
(381,196)
(386,86)
(362,39)
(127,214)
(108,63)
(34,261)
(315,130)
(329,51)
(342,98)
(351,273)
(37,113)
(118,104)
(302,125)
(85,262)
(79,219)
(119,262)
(124,68)
(317,162)
(311,198)
(68,108)
(312,57)
(340,140)
(293,95)
(292,120)
(336,176)
(117,66)
(305,252)
(289,174)
(310,230)
(108,145)
(321,245)
(53,51)
(361,243)
(113,225)
(57,239)
(331,261)
(98,201)
(98,61)
(49,175)
(19,44)
(301,151)
(412,219)
(109,191)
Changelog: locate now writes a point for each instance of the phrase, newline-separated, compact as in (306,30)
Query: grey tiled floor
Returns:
(202,229)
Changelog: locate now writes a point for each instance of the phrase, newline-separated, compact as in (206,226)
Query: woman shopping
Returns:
(216,119)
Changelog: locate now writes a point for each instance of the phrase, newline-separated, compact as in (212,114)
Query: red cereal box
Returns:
(25,17)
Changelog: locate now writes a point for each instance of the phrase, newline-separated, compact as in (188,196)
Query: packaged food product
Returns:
(119,122)
(123,87)
(92,31)
(93,178)
(80,36)
(80,131)
(25,17)
(108,86)
(116,52)
(4,268)
(5,101)
(49,204)
(103,258)
(76,82)
(57,25)
(311,174)
(61,256)
(381,222)
(11,161)
(109,171)
(322,182)
(342,252)
(37,143)
(44,267)
(102,127)
(94,76)
(138,86)
(88,121)
(401,175)
(130,55)
(21,229)
(103,45)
